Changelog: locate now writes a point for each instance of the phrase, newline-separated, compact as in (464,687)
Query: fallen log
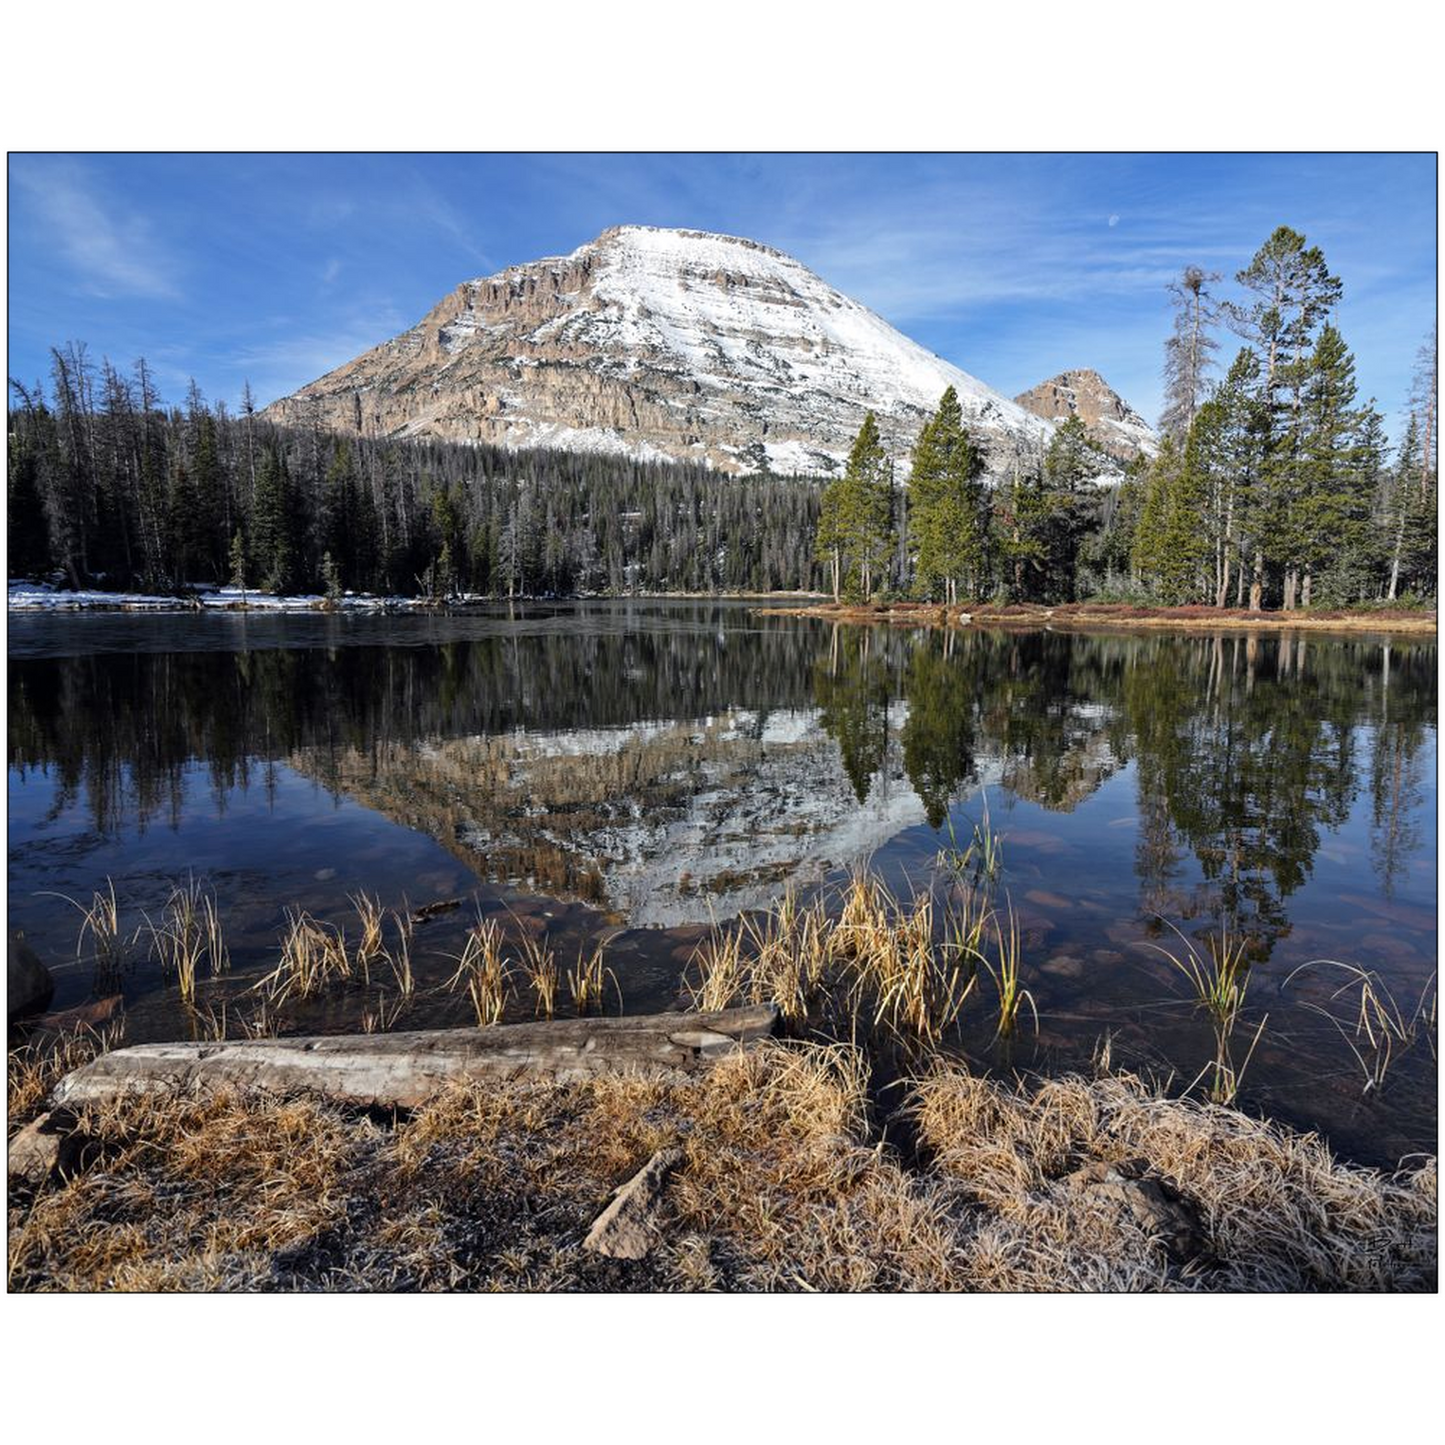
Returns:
(403,1069)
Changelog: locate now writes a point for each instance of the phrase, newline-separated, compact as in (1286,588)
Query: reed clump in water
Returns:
(398,957)
(313,957)
(905,971)
(538,965)
(483,972)
(188,935)
(587,980)
(1383,1030)
(371,918)
(102,922)
(110,947)
(1218,976)
(1005,968)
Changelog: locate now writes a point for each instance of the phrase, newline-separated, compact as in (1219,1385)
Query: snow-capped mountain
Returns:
(665,344)
(1107,417)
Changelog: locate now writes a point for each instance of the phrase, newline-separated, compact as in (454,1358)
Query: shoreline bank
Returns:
(1089,616)
(769,1169)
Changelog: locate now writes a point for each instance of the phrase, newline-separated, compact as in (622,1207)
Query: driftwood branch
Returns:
(403,1069)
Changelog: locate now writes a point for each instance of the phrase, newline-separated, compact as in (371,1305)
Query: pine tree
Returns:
(208,490)
(273,525)
(869,504)
(1039,522)
(1147,560)
(330,580)
(945,505)
(27,532)
(237,563)
(1182,565)
(1409,520)
(1104,557)
(855,533)
(1188,351)
(1331,502)
(1237,470)
(1294,292)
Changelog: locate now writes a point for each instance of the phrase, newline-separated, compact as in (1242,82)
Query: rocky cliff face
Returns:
(1107,417)
(677,345)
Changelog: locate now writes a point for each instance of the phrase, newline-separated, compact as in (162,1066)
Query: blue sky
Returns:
(278,267)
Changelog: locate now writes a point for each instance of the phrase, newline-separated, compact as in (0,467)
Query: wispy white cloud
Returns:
(426,203)
(112,248)
(284,358)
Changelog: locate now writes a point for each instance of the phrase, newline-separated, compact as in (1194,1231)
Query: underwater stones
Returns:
(1064,965)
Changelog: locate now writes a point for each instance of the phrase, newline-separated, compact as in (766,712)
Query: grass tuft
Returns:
(1219,980)
(189,934)
(539,967)
(587,981)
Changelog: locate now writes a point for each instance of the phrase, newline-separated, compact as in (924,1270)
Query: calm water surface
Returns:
(635,770)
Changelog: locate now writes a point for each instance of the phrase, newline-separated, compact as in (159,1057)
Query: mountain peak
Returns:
(680,236)
(1107,417)
(669,344)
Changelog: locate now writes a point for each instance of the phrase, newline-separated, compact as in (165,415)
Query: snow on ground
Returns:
(22,596)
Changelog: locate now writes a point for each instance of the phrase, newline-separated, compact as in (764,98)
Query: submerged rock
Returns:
(1065,965)
(91,1015)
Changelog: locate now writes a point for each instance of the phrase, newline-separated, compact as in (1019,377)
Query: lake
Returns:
(636,771)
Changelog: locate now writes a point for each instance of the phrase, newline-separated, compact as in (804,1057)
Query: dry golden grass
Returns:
(371,945)
(587,980)
(189,933)
(399,958)
(1275,1210)
(794,1175)
(539,967)
(784,1185)
(36,1067)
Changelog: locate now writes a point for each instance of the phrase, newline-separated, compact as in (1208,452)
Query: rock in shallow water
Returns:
(28,985)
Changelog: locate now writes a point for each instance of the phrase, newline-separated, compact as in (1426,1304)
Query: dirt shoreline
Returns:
(1084,616)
